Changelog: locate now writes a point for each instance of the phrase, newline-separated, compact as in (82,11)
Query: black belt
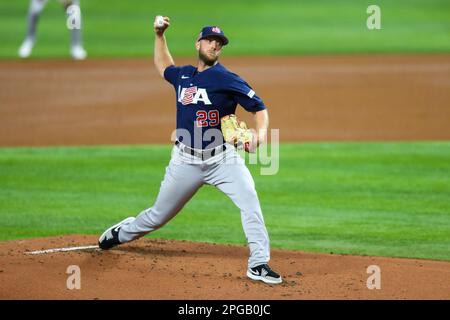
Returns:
(205,154)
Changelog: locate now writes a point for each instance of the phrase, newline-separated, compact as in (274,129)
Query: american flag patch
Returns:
(188,96)
(251,93)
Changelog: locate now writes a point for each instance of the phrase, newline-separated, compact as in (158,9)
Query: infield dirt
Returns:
(166,269)
(309,99)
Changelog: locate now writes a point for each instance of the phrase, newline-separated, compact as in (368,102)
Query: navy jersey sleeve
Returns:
(171,74)
(244,95)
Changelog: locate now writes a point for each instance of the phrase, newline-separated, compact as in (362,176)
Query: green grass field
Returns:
(388,199)
(118,28)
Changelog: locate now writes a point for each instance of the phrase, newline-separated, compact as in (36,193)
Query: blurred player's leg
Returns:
(76,48)
(34,11)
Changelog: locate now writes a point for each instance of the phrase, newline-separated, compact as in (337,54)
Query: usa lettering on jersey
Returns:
(192,95)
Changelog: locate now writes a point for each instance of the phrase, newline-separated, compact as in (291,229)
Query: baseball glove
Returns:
(236,133)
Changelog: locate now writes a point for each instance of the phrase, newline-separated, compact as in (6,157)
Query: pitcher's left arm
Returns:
(261,120)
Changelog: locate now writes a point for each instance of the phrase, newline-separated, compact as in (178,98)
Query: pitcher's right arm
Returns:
(161,57)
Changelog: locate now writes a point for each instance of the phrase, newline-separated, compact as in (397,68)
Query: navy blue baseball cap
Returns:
(213,31)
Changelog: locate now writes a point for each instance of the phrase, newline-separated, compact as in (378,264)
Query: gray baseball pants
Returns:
(184,175)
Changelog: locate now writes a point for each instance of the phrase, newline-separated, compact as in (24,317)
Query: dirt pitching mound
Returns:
(167,269)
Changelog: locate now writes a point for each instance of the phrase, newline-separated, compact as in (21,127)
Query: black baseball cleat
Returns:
(110,238)
(265,274)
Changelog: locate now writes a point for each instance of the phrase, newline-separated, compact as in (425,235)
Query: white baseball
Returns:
(159,21)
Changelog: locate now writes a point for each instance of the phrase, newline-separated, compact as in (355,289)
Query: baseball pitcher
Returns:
(207,136)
